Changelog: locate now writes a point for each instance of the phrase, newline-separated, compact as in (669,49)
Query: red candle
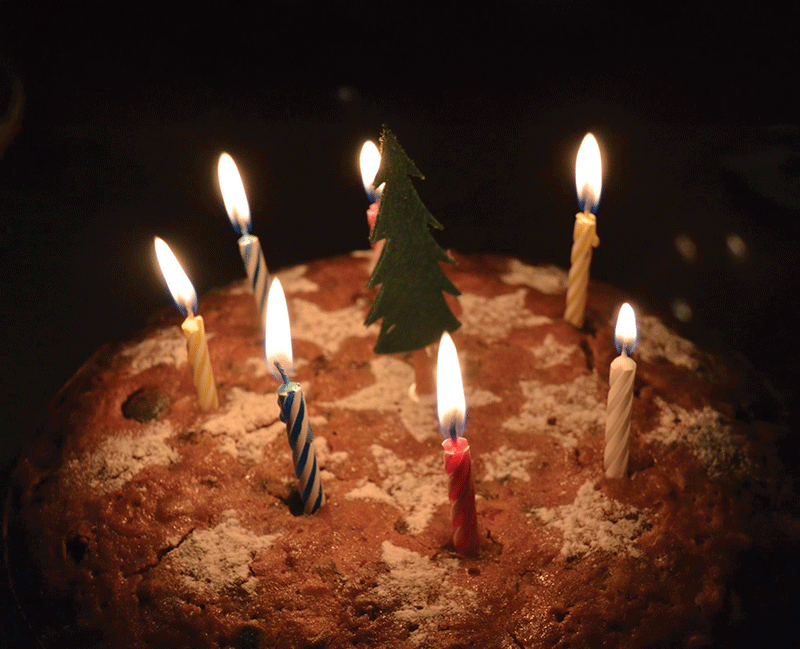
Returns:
(369,160)
(457,459)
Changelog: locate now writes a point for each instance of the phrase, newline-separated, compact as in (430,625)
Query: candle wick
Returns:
(281,372)
(453,433)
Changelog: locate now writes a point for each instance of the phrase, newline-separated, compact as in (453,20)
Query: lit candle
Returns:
(457,460)
(278,348)
(588,180)
(238,209)
(368,161)
(620,396)
(193,328)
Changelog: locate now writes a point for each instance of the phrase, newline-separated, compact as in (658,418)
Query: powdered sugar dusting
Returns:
(367,490)
(122,455)
(293,280)
(326,458)
(328,329)
(551,352)
(495,317)
(362,254)
(547,279)
(218,559)
(249,423)
(507,464)
(244,410)
(715,443)
(257,366)
(567,411)
(656,341)
(595,523)
(419,590)
(389,393)
(416,487)
(167,346)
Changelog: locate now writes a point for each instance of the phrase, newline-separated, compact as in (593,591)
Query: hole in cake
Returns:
(587,351)
(475,572)
(248,637)
(400,526)
(146,404)
(294,502)
(76,548)
(551,421)
(560,614)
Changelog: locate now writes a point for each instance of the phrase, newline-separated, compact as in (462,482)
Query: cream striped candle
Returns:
(238,209)
(278,351)
(588,180)
(195,333)
(620,397)
(193,327)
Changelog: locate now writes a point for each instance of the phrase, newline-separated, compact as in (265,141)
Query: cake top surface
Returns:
(162,520)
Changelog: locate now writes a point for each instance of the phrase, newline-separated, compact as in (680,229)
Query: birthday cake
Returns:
(138,520)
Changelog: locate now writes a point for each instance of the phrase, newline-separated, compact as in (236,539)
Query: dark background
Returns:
(128,106)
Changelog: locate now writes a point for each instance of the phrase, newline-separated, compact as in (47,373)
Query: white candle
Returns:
(620,397)
(238,209)
(588,181)
(193,327)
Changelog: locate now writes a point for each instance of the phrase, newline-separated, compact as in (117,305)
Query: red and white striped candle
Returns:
(369,160)
(457,459)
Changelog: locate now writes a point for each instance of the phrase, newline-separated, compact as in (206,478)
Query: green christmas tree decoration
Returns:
(410,299)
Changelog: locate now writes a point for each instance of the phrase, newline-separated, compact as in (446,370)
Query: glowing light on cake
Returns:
(178,283)
(368,161)
(278,335)
(278,351)
(193,327)
(238,209)
(588,174)
(450,403)
(451,407)
(620,396)
(588,183)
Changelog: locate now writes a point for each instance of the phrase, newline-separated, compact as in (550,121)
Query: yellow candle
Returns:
(588,180)
(193,327)
(195,333)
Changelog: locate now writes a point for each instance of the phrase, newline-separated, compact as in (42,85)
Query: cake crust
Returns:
(138,521)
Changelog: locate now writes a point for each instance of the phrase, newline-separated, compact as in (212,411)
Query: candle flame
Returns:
(369,161)
(177,281)
(450,401)
(626,335)
(589,174)
(233,194)
(278,335)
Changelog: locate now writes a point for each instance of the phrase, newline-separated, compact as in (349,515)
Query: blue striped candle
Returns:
(238,209)
(301,436)
(278,351)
